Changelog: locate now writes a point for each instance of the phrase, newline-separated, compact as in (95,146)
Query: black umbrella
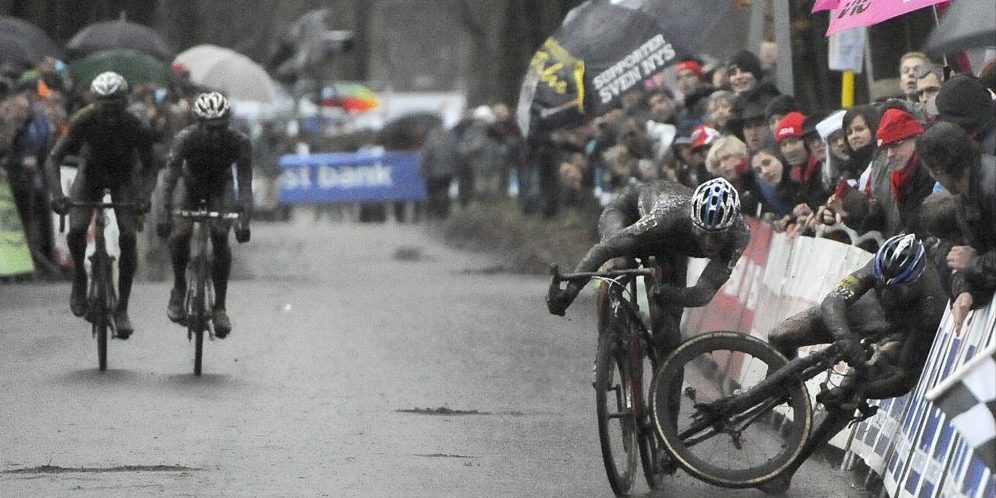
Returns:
(967,24)
(17,53)
(603,49)
(121,33)
(33,35)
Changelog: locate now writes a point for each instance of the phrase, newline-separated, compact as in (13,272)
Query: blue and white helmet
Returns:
(900,260)
(109,84)
(715,205)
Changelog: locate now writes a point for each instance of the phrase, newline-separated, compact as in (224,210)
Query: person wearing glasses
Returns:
(115,151)
(909,179)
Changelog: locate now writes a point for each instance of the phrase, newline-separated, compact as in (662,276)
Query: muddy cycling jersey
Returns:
(653,220)
(204,157)
(111,142)
(914,308)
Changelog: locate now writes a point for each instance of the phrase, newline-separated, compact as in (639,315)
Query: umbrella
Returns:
(967,24)
(136,67)
(229,72)
(17,52)
(32,35)
(864,13)
(603,49)
(351,96)
(121,33)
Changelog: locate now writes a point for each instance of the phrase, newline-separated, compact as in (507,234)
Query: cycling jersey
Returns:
(204,158)
(111,139)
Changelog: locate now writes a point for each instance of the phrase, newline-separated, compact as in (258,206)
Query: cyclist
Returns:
(905,308)
(669,221)
(200,168)
(108,139)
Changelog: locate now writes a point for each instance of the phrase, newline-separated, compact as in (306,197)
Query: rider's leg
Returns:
(222,266)
(802,329)
(127,229)
(79,222)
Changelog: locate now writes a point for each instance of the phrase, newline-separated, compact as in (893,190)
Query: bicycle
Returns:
(744,399)
(624,364)
(102,298)
(199,299)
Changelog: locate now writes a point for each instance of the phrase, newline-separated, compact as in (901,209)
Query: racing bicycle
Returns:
(199,301)
(624,366)
(742,413)
(102,297)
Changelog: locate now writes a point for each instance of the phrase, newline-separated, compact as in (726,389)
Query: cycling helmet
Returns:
(900,260)
(109,84)
(715,205)
(211,105)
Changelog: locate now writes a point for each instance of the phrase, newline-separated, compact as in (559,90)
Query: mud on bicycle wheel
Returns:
(650,444)
(617,425)
(703,436)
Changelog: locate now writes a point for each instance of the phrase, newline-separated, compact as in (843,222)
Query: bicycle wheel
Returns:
(651,446)
(706,433)
(197,321)
(98,308)
(617,427)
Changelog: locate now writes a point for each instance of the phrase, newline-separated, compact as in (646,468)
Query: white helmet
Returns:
(715,205)
(109,84)
(211,105)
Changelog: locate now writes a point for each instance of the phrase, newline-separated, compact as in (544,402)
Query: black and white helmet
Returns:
(211,105)
(109,84)
(715,205)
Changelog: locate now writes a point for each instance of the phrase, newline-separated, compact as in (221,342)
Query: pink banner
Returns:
(821,5)
(863,13)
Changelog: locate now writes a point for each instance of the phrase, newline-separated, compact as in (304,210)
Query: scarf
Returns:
(901,178)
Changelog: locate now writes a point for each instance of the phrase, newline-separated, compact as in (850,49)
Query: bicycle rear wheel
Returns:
(617,424)
(706,434)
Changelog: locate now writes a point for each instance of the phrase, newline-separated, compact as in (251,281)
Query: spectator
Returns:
(831,131)
(689,75)
(774,189)
(777,108)
(987,75)
(720,112)
(928,82)
(744,72)
(939,220)
(754,127)
(438,164)
(955,161)
(910,182)
(908,65)
(966,102)
(727,158)
(805,167)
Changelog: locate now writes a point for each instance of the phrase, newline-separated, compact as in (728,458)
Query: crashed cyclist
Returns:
(896,297)
(200,168)
(115,151)
(670,222)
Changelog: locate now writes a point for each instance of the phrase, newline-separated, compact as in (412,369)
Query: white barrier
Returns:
(909,443)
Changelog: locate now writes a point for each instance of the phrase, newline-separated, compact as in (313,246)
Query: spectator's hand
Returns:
(959,310)
(60,205)
(852,351)
(163,229)
(242,232)
(801,210)
(827,216)
(959,256)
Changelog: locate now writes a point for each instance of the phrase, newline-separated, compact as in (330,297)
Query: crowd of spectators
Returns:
(858,175)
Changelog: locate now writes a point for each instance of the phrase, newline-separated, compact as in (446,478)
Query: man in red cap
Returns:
(690,75)
(802,169)
(911,182)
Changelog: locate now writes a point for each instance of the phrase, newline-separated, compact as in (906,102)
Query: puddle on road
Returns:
(55,469)
(490,270)
(410,254)
(442,410)
(441,455)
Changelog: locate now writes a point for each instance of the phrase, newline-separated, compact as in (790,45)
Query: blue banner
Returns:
(351,177)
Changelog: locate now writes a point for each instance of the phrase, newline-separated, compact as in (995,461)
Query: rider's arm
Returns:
(69,142)
(846,293)
(715,274)
(147,172)
(899,379)
(174,167)
(243,172)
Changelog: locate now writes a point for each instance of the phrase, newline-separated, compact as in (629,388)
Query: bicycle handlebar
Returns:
(558,277)
(203,214)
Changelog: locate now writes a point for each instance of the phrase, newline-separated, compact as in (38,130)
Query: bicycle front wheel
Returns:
(705,430)
(100,327)
(617,424)
(651,447)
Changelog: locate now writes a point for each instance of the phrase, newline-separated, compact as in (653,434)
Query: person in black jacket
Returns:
(956,162)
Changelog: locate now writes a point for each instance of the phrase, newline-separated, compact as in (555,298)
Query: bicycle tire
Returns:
(612,375)
(650,444)
(99,309)
(798,419)
(200,322)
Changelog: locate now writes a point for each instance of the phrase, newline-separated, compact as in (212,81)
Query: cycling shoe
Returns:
(222,325)
(122,325)
(174,310)
(77,300)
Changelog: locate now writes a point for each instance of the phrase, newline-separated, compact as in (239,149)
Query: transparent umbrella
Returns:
(229,72)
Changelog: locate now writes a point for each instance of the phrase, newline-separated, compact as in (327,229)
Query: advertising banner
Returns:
(351,177)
